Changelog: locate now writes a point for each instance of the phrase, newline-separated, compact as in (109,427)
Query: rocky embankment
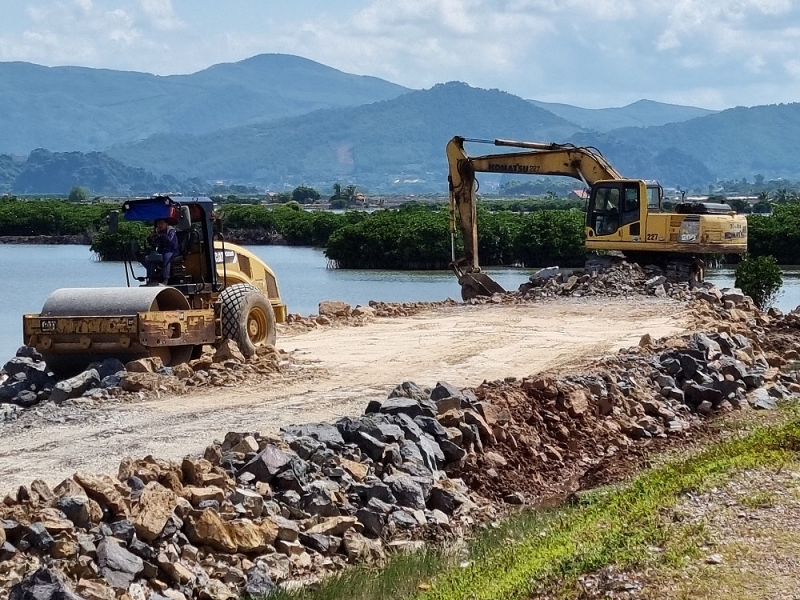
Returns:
(424,464)
(617,279)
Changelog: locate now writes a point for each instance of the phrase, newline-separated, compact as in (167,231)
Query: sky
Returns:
(592,53)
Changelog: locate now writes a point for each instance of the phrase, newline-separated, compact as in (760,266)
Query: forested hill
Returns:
(732,144)
(45,172)
(392,145)
(377,144)
(77,108)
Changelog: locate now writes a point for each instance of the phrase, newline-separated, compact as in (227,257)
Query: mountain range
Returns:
(77,108)
(642,113)
(277,121)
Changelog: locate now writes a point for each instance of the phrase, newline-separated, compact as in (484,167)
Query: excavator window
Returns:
(654,194)
(630,207)
(604,216)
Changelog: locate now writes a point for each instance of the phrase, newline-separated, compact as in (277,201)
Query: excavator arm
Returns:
(584,164)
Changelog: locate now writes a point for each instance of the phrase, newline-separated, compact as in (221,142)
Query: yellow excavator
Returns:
(622,215)
(215,291)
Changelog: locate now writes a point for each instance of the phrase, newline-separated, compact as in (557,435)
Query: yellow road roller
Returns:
(203,291)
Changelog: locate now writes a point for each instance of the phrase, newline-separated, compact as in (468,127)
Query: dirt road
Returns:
(338,371)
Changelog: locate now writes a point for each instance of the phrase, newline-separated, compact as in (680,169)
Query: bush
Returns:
(416,237)
(777,234)
(761,278)
(118,246)
(551,237)
(50,217)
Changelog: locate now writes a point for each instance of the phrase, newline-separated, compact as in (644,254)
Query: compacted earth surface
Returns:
(331,372)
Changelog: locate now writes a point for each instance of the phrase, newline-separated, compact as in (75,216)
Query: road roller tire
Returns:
(247,317)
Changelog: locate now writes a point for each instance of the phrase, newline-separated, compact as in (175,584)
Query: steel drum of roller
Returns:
(111,302)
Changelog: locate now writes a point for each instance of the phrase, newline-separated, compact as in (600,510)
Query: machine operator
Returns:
(165,242)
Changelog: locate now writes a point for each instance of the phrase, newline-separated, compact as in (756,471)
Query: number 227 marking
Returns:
(652,237)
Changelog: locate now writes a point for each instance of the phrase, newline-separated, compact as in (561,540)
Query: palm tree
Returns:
(350,193)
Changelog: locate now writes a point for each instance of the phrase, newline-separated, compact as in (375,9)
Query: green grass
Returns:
(534,550)
(399,578)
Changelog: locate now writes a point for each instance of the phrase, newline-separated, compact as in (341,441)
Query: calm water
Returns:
(28,274)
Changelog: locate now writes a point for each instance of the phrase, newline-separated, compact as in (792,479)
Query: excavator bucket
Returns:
(478,284)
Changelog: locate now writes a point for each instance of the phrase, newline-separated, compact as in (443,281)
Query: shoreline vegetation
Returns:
(412,237)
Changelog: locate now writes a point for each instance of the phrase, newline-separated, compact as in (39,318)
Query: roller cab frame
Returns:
(216,291)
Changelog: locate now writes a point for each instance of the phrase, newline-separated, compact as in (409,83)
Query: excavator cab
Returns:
(619,208)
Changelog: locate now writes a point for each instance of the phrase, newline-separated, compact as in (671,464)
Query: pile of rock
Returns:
(407,309)
(26,381)
(618,279)
(556,430)
(615,280)
(779,333)
(332,312)
(254,509)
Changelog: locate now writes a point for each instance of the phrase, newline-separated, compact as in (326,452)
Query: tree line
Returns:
(416,236)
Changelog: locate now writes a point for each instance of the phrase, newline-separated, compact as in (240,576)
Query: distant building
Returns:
(749,199)
(578,195)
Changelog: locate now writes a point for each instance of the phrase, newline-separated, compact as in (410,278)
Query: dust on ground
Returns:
(337,371)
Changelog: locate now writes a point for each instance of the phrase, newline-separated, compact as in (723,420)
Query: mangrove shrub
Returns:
(761,278)
(417,238)
(298,227)
(776,235)
(550,237)
(50,217)
(409,238)
(122,244)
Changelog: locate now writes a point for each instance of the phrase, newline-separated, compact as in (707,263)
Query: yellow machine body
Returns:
(646,227)
(624,215)
(238,265)
(217,291)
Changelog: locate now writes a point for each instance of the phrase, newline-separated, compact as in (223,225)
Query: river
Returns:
(29,273)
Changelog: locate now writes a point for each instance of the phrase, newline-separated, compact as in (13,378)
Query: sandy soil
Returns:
(338,371)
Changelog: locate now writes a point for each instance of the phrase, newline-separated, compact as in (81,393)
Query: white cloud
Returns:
(422,43)
(119,34)
(161,14)
(590,52)
(793,68)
